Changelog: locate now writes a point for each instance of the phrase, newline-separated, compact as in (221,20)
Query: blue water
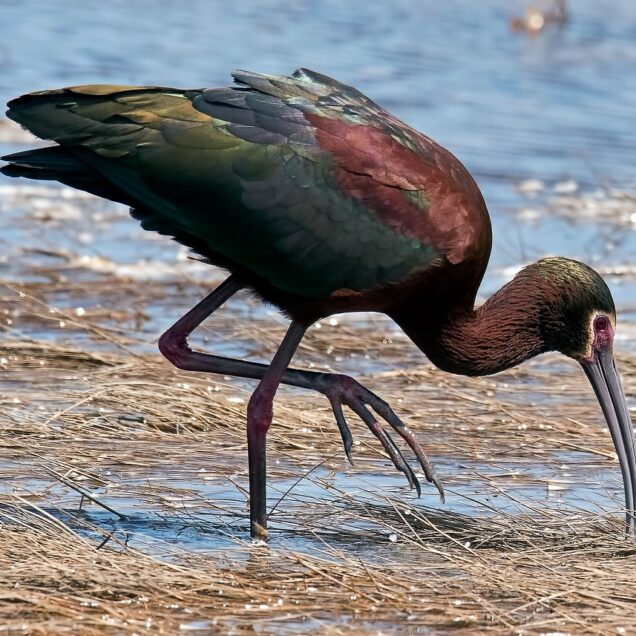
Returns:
(512,106)
(351,509)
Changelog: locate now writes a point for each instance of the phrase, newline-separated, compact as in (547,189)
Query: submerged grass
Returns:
(56,581)
(123,485)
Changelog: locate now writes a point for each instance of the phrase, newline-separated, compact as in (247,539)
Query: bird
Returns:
(538,17)
(318,201)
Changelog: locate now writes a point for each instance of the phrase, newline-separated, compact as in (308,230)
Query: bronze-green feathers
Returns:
(299,181)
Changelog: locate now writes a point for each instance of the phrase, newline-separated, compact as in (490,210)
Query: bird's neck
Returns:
(503,332)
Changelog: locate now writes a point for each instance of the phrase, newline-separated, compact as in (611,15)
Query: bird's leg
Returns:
(339,389)
(173,344)
(259,418)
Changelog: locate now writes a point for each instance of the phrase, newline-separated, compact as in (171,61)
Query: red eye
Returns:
(601,323)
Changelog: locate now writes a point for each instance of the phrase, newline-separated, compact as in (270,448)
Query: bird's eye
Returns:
(601,323)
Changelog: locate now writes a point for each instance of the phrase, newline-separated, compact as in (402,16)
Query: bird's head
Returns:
(578,316)
(578,319)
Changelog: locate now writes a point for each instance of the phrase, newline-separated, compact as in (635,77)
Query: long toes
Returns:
(345,433)
(397,457)
(387,413)
(387,442)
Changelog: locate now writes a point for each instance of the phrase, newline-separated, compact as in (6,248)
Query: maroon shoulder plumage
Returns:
(410,182)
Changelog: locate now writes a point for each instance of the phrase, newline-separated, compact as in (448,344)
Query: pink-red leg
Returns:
(259,419)
(339,389)
(173,344)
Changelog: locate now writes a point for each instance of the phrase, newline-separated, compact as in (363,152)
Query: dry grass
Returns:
(93,412)
(55,581)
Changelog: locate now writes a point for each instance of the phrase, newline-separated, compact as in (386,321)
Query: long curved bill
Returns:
(602,373)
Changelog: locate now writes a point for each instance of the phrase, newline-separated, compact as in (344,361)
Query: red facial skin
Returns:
(603,336)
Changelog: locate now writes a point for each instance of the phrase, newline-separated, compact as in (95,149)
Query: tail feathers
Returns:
(55,163)
(41,163)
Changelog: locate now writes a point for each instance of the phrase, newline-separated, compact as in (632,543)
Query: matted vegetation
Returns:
(123,503)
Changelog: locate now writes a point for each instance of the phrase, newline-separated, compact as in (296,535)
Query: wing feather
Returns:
(245,173)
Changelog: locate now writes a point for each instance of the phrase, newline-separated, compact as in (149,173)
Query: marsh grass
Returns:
(102,442)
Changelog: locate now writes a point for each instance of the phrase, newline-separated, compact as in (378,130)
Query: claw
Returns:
(389,445)
(386,412)
(435,480)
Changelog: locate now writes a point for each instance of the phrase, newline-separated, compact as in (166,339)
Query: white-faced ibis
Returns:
(321,202)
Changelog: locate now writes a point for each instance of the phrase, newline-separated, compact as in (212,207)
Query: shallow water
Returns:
(206,511)
(533,117)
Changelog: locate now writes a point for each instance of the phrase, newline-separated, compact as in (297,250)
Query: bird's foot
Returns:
(341,389)
(258,532)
